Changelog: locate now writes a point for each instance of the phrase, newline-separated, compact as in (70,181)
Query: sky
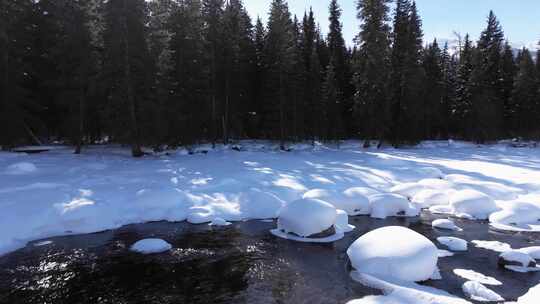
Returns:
(520,19)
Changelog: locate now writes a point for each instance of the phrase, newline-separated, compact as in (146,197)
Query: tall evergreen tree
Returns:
(372,69)
(486,83)
(338,53)
(433,67)
(212,13)
(279,56)
(189,107)
(462,109)
(407,75)
(525,104)
(508,73)
(239,52)
(15,70)
(128,69)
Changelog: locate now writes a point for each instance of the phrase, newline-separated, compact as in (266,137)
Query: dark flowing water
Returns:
(241,263)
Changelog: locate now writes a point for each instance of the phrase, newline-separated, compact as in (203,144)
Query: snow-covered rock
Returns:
(531,297)
(21,168)
(472,204)
(516,215)
(148,246)
(516,258)
(307,217)
(492,245)
(478,292)
(402,292)
(533,252)
(472,275)
(387,204)
(411,256)
(453,243)
(408,190)
(431,197)
(445,224)
(260,204)
(217,221)
(351,201)
(436,184)
(356,200)
(342,221)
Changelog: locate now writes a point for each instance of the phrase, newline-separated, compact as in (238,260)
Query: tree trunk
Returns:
(281,111)
(136,150)
(82,102)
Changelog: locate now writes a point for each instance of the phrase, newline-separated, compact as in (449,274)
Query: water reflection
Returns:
(241,263)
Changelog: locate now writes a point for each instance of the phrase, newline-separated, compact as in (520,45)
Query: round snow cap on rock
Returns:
(389,204)
(148,246)
(307,217)
(342,221)
(445,224)
(472,204)
(394,252)
(516,258)
(349,201)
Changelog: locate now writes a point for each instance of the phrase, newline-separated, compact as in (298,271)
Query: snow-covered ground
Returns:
(58,193)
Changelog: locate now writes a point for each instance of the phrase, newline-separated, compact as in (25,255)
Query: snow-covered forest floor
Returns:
(59,193)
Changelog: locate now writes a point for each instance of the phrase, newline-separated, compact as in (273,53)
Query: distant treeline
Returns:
(179,72)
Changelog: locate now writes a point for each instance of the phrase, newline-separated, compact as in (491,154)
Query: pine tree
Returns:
(525,106)
(312,76)
(15,104)
(331,98)
(256,108)
(279,56)
(486,83)
(338,53)
(75,60)
(508,73)
(239,52)
(212,13)
(407,75)
(128,65)
(372,69)
(433,67)
(462,109)
(189,107)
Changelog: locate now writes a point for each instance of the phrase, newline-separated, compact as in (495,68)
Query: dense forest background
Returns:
(179,72)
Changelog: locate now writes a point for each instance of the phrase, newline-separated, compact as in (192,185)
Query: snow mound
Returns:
(445,253)
(412,257)
(260,204)
(402,292)
(492,245)
(148,246)
(385,205)
(531,297)
(436,184)
(306,217)
(430,197)
(408,190)
(517,216)
(445,224)
(472,204)
(21,168)
(342,221)
(429,172)
(533,252)
(516,258)
(352,202)
(453,243)
(356,199)
(219,222)
(472,275)
(478,292)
